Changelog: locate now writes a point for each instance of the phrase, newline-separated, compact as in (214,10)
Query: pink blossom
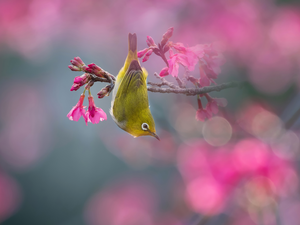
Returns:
(213,103)
(80,81)
(77,62)
(127,201)
(75,87)
(94,114)
(179,47)
(167,36)
(142,52)
(205,195)
(222,102)
(146,57)
(78,110)
(174,62)
(10,196)
(202,114)
(204,81)
(192,55)
(164,72)
(94,69)
(212,107)
(74,68)
(103,92)
(150,42)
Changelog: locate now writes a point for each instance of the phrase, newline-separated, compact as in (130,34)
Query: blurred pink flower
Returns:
(206,196)
(270,71)
(211,174)
(10,196)
(78,110)
(94,114)
(126,202)
(33,131)
(285,30)
(213,104)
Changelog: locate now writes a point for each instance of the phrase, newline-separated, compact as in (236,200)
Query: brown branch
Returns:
(164,82)
(97,74)
(196,91)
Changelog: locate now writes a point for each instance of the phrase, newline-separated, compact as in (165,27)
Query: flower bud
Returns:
(141,53)
(94,69)
(75,87)
(104,91)
(147,55)
(77,62)
(167,36)
(164,72)
(81,80)
(166,48)
(169,33)
(150,42)
(74,68)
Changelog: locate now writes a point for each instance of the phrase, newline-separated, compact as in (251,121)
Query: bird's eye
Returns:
(145,126)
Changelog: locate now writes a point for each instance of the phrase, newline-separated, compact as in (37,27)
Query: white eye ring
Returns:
(145,126)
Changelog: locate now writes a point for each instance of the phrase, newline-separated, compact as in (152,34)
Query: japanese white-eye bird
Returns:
(130,106)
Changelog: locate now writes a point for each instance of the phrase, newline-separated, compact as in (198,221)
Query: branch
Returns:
(164,82)
(196,91)
(97,74)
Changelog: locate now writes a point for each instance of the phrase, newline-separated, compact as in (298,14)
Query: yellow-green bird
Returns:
(130,106)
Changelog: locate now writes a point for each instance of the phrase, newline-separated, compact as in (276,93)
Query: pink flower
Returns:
(103,92)
(74,68)
(142,52)
(212,107)
(174,62)
(188,57)
(147,55)
(204,81)
(205,195)
(164,72)
(78,110)
(213,103)
(77,62)
(150,42)
(80,81)
(94,69)
(167,36)
(211,62)
(202,115)
(94,114)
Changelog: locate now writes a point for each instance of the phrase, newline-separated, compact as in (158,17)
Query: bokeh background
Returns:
(56,171)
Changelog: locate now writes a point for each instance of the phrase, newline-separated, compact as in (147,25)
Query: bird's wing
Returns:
(132,96)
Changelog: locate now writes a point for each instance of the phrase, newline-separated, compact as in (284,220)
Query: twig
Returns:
(180,82)
(165,82)
(196,91)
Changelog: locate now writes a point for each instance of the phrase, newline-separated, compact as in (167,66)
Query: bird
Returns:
(130,106)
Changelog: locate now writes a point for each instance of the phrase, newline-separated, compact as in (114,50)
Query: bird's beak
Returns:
(154,135)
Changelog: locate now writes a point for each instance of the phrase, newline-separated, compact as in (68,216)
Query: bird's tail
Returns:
(132,50)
